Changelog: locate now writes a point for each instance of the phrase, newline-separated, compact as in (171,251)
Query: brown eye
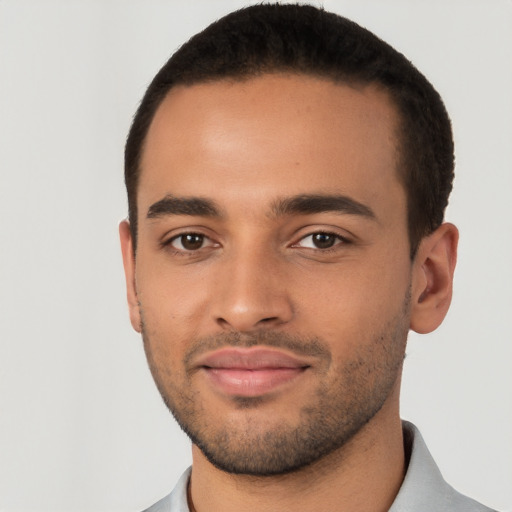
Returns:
(323,240)
(188,242)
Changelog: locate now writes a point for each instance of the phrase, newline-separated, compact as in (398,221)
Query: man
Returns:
(287,175)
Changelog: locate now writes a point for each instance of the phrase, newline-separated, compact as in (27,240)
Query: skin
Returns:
(245,147)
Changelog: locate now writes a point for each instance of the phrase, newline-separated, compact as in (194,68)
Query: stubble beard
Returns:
(337,410)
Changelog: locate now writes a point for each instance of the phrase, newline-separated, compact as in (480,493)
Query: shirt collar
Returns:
(423,488)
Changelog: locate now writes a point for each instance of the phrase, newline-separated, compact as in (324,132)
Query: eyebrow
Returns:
(194,206)
(318,203)
(303,204)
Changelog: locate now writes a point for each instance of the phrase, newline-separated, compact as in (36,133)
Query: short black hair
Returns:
(303,39)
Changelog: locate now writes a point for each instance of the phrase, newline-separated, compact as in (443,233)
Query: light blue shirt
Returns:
(423,489)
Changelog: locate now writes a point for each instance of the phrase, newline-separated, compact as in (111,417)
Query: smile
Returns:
(250,372)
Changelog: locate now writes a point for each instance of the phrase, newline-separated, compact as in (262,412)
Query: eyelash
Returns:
(167,244)
(339,240)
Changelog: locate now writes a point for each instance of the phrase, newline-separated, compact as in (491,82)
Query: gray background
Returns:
(82,427)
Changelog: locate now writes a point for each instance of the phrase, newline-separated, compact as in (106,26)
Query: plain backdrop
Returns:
(82,427)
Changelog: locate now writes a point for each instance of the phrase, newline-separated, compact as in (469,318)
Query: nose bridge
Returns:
(252,290)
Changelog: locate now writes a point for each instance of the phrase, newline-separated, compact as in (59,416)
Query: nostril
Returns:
(246,313)
(239,325)
(222,322)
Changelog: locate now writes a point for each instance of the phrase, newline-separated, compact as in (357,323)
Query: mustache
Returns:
(299,345)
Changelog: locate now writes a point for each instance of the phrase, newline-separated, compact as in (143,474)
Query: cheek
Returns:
(352,299)
(349,298)
(172,302)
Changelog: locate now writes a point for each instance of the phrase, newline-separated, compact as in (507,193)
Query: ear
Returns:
(432,283)
(127,248)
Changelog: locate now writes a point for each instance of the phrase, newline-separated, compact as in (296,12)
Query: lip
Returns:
(250,372)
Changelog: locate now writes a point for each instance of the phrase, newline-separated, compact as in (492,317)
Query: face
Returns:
(272,275)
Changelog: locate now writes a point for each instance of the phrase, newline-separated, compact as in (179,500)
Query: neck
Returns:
(364,475)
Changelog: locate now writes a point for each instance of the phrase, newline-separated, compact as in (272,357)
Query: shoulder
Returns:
(176,501)
(424,488)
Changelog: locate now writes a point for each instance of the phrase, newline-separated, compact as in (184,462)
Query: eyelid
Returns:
(166,242)
(205,240)
(339,241)
(344,238)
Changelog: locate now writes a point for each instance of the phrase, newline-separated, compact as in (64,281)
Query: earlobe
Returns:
(433,270)
(127,249)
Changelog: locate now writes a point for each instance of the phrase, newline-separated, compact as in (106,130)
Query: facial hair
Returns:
(347,396)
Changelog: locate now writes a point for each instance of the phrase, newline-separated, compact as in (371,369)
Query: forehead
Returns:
(272,134)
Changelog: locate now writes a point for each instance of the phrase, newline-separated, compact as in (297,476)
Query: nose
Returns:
(252,292)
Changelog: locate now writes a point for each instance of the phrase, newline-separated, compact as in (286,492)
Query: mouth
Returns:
(250,372)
